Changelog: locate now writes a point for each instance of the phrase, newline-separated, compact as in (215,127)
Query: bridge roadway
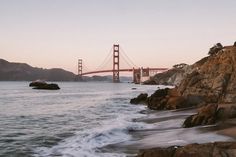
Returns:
(123,70)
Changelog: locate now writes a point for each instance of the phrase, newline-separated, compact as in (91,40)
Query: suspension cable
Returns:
(125,55)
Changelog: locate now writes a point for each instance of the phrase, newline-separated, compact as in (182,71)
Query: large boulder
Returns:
(140,99)
(206,115)
(43,85)
(170,99)
(37,83)
(158,100)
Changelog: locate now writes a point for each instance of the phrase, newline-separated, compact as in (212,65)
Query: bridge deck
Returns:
(122,70)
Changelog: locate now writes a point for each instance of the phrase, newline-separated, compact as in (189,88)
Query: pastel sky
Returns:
(153,33)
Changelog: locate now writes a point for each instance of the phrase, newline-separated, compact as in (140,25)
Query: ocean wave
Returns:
(86,143)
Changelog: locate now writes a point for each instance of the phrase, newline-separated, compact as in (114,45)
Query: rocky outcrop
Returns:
(210,114)
(169,99)
(208,82)
(44,85)
(217,149)
(37,83)
(171,77)
(205,116)
(140,99)
(213,77)
(51,86)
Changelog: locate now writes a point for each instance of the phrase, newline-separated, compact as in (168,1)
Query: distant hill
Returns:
(10,71)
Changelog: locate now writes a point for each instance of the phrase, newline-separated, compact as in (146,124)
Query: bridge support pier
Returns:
(116,64)
(136,76)
(80,71)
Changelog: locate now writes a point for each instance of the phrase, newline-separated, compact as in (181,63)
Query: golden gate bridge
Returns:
(116,56)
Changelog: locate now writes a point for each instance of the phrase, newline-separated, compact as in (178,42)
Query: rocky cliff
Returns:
(171,77)
(213,77)
(209,83)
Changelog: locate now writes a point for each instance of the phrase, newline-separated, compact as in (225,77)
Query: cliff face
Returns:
(24,72)
(173,76)
(213,77)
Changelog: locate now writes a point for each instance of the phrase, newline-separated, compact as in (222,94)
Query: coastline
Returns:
(222,132)
(166,131)
(209,86)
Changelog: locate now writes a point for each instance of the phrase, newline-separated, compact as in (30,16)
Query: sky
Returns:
(153,33)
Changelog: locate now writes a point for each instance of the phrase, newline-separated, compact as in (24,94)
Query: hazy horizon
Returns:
(153,33)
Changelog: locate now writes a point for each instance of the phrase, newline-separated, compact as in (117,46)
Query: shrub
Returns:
(215,49)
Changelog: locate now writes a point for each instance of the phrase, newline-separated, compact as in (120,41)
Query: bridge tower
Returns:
(116,63)
(80,67)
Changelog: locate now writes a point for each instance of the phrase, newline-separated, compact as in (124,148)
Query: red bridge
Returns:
(138,73)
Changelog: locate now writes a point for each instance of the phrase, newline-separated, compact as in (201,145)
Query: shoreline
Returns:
(222,132)
(170,125)
(154,137)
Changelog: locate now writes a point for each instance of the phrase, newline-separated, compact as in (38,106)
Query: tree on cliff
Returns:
(215,49)
(180,66)
(235,43)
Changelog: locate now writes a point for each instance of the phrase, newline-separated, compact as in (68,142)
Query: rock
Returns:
(217,149)
(210,114)
(158,100)
(213,78)
(37,83)
(51,86)
(171,77)
(235,43)
(226,112)
(173,92)
(175,103)
(169,99)
(142,98)
(195,150)
(206,115)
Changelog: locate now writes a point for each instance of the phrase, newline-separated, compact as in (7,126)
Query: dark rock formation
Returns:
(205,116)
(217,149)
(141,99)
(37,83)
(43,85)
(210,114)
(169,99)
(46,86)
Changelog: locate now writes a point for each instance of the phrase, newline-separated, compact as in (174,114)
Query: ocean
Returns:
(87,120)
